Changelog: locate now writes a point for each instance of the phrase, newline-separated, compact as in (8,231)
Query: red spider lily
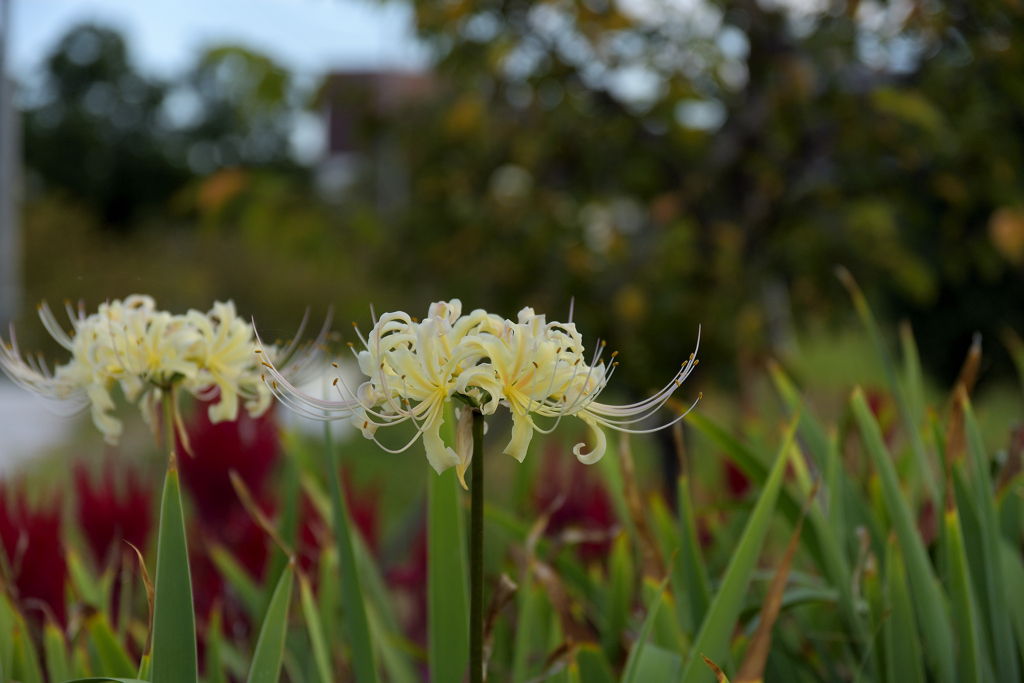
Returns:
(34,546)
(408,583)
(249,446)
(586,506)
(737,484)
(363,511)
(106,517)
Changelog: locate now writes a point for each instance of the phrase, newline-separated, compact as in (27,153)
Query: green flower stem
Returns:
(476,555)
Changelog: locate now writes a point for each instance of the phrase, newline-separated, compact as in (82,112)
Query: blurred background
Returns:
(667,164)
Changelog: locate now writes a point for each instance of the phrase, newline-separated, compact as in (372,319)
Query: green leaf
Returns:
(214,637)
(321,650)
(619,596)
(834,559)
(720,621)
(752,465)
(25,667)
(910,425)
(113,659)
(7,621)
(447,580)
(248,590)
(690,575)
(1013,574)
(363,661)
(929,602)
(964,616)
(93,591)
(174,657)
(594,666)
(913,377)
(397,666)
(266,659)
(533,616)
(658,664)
(639,653)
(287,527)
(902,645)
(998,627)
(55,651)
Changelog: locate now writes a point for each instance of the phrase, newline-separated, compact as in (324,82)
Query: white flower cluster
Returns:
(150,353)
(533,367)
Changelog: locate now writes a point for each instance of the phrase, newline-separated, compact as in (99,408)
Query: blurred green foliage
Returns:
(667,166)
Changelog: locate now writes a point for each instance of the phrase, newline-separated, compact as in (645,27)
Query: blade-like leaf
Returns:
(55,651)
(756,657)
(910,426)
(618,597)
(321,650)
(902,645)
(718,625)
(266,659)
(363,660)
(447,577)
(238,577)
(752,465)
(174,656)
(690,575)
(1013,575)
(999,629)
(594,666)
(25,667)
(929,602)
(214,666)
(658,664)
(639,652)
(913,377)
(112,657)
(964,612)
(719,674)
(834,558)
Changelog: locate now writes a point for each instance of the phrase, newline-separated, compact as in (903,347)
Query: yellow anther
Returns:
(262,377)
(334,364)
(257,351)
(700,395)
(335,381)
(614,353)
(275,384)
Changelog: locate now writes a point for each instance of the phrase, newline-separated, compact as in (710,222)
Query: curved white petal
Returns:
(600,445)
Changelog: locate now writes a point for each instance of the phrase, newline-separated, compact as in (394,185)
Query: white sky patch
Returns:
(164,38)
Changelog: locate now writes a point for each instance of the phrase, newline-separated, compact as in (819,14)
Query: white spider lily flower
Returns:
(227,361)
(533,367)
(151,354)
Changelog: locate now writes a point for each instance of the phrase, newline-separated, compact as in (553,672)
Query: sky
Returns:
(305,36)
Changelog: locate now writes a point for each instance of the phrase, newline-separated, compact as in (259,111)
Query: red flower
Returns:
(363,511)
(249,446)
(34,546)
(107,518)
(736,482)
(587,506)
